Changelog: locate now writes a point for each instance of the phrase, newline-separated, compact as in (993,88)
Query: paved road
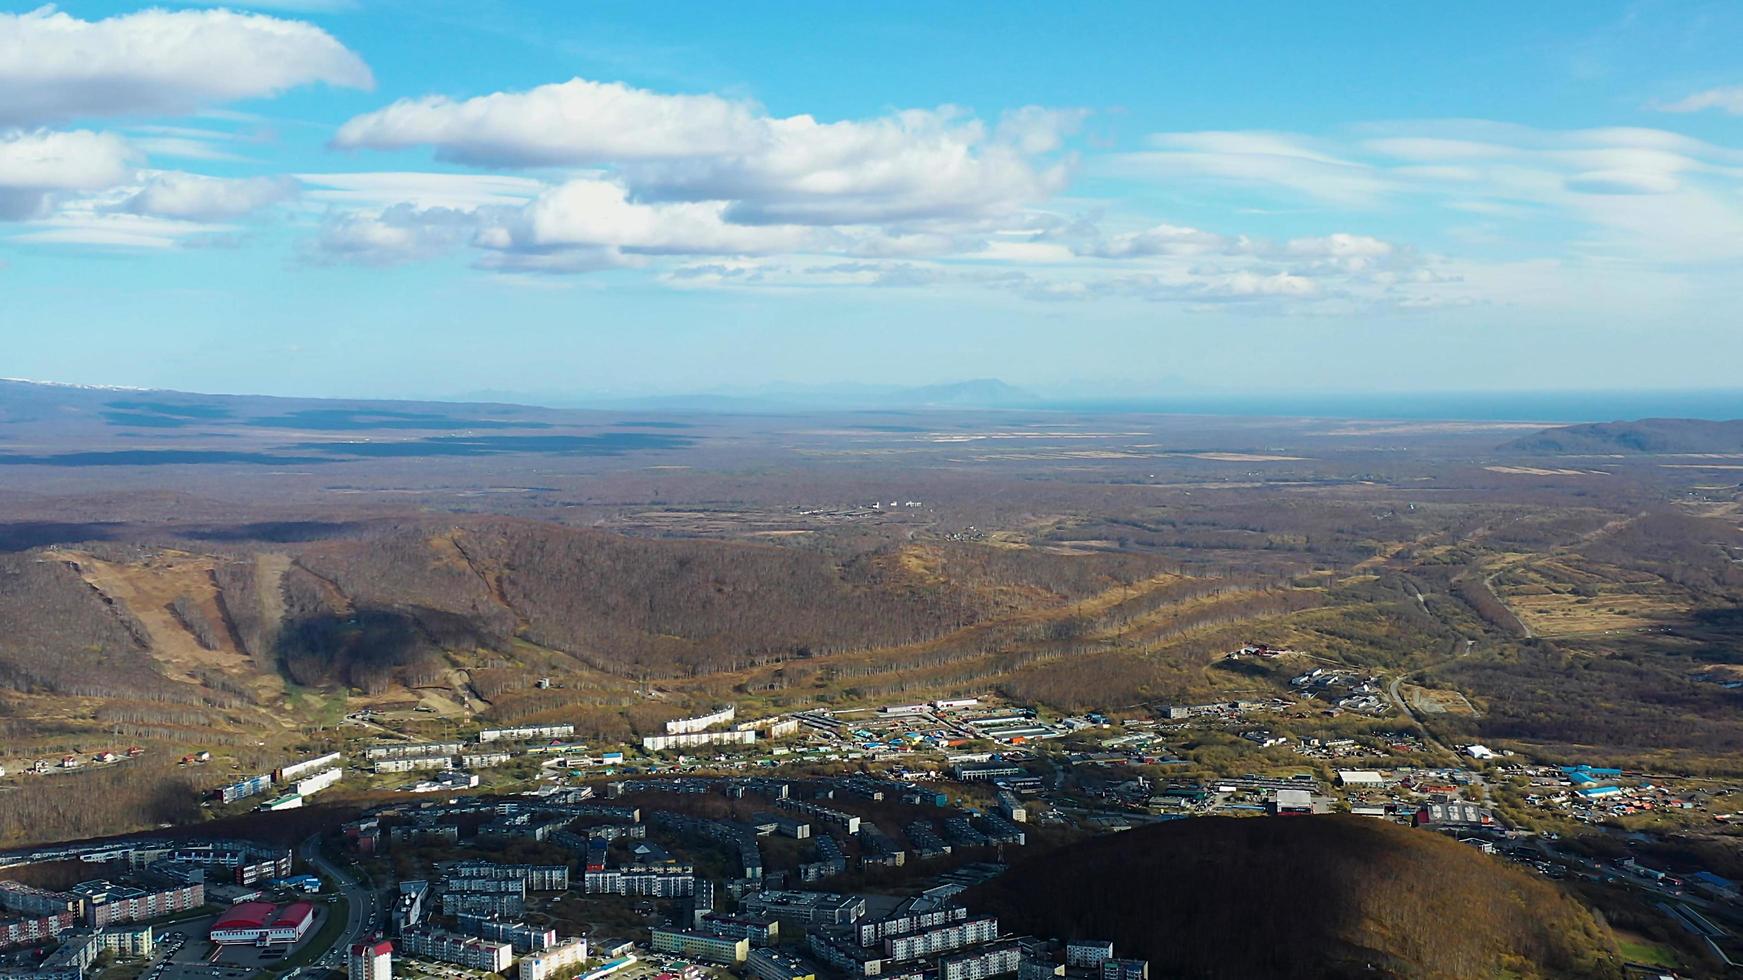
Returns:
(363,909)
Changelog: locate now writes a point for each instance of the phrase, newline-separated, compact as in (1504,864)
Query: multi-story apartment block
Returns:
(700,946)
(469,951)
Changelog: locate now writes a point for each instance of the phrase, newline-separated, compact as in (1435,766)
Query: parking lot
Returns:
(184,953)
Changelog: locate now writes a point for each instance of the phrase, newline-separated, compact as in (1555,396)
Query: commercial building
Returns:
(262,924)
(469,951)
(700,946)
(370,961)
(550,962)
(1288,802)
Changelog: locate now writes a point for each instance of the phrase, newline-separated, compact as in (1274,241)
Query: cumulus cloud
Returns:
(37,166)
(594,213)
(915,165)
(55,67)
(1162,239)
(198,198)
(401,233)
(576,122)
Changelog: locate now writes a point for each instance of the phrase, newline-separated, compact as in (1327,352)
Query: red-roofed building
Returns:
(263,923)
(371,961)
(291,922)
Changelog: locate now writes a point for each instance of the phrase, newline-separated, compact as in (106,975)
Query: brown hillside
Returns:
(1334,896)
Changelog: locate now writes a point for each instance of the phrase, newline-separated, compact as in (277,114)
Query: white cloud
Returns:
(1631,193)
(576,122)
(915,165)
(593,213)
(56,67)
(199,198)
(85,226)
(1258,159)
(1156,240)
(36,166)
(422,190)
(401,233)
(1726,99)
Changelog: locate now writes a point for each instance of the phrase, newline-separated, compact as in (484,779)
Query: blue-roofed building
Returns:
(1585,775)
(1710,884)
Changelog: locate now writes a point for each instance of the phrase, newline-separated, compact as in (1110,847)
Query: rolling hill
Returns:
(1639,436)
(1335,896)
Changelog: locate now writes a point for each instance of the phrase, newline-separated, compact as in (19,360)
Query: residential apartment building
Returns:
(469,951)
(370,961)
(551,962)
(700,946)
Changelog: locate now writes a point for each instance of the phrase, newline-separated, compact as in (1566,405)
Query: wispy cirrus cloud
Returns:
(1727,99)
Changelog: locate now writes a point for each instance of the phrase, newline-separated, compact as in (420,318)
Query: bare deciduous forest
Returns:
(774,561)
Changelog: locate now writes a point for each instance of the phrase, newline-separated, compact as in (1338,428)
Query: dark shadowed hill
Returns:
(1334,896)
(1640,436)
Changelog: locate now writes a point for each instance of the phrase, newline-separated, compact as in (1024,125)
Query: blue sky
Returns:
(346,197)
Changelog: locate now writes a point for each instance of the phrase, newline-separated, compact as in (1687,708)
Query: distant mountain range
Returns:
(1639,436)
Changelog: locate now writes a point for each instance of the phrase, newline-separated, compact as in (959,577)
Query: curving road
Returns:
(362,906)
